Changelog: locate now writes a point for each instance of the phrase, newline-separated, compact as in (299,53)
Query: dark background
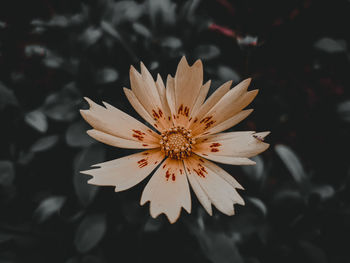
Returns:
(52,53)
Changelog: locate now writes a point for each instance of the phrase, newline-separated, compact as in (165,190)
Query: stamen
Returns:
(177,142)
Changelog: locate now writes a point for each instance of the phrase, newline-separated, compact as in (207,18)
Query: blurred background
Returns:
(54,52)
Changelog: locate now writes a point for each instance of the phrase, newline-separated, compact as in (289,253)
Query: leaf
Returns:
(7,97)
(76,135)
(325,192)
(34,51)
(207,52)
(153,225)
(343,110)
(331,45)
(95,153)
(171,42)
(7,173)
(218,247)
(44,143)
(48,207)
(62,105)
(106,75)
(292,162)
(256,172)
(161,12)
(256,202)
(225,73)
(142,30)
(90,232)
(90,36)
(37,119)
(313,253)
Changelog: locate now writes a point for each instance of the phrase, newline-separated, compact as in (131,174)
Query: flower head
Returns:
(186,135)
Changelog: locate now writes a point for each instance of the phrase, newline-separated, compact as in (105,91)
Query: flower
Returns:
(187,138)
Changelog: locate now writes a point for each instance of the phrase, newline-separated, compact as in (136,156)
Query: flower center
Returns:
(177,142)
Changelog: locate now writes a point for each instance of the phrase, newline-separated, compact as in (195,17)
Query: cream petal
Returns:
(124,173)
(145,90)
(188,81)
(226,159)
(168,191)
(228,106)
(209,103)
(203,92)
(162,94)
(120,142)
(170,96)
(117,123)
(221,193)
(135,103)
(233,144)
(198,190)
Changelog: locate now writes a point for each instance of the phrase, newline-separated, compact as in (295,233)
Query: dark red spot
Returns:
(142,163)
(201,160)
(155,162)
(204,140)
(206,119)
(173,177)
(164,166)
(169,118)
(190,119)
(144,144)
(207,125)
(155,125)
(174,116)
(180,171)
(215,144)
(195,120)
(149,130)
(180,109)
(258,138)
(139,137)
(155,115)
(167,175)
(160,112)
(188,169)
(186,111)
(214,150)
(204,154)
(145,153)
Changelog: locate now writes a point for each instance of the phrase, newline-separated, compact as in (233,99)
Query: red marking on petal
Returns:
(145,153)
(144,144)
(190,119)
(173,177)
(155,162)
(188,169)
(206,119)
(215,144)
(201,160)
(204,154)
(164,165)
(155,125)
(186,111)
(207,125)
(174,116)
(142,163)
(160,112)
(169,118)
(139,137)
(180,171)
(214,150)
(155,115)
(180,109)
(195,120)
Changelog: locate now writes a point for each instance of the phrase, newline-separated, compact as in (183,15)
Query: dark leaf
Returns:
(76,135)
(331,45)
(44,143)
(95,153)
(313,253)
(225,73)
(6,96)
(292,162)
(37,119)
(344,110)
(90,232)
(48,207)
(106,75)
(7,173)
(207,52)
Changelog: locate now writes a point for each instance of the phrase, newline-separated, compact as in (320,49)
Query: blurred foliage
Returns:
(54,52)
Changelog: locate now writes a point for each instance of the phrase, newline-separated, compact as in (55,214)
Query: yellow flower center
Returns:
(177,143)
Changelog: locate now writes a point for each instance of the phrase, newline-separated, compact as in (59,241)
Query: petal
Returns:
(145,90)
(120,142)
(228,106)
(168,191)
(170,96)
(233,144)
(203,92)
(162,95)
(229,122)
(220,192)
(113,121)
(135,103)
(210,102)
(188,81)
(124,173)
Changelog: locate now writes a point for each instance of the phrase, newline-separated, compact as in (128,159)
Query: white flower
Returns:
(188,136)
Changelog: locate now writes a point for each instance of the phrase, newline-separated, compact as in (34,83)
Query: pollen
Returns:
(177,143)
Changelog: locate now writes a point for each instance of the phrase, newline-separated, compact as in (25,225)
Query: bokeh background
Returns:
(54,52)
